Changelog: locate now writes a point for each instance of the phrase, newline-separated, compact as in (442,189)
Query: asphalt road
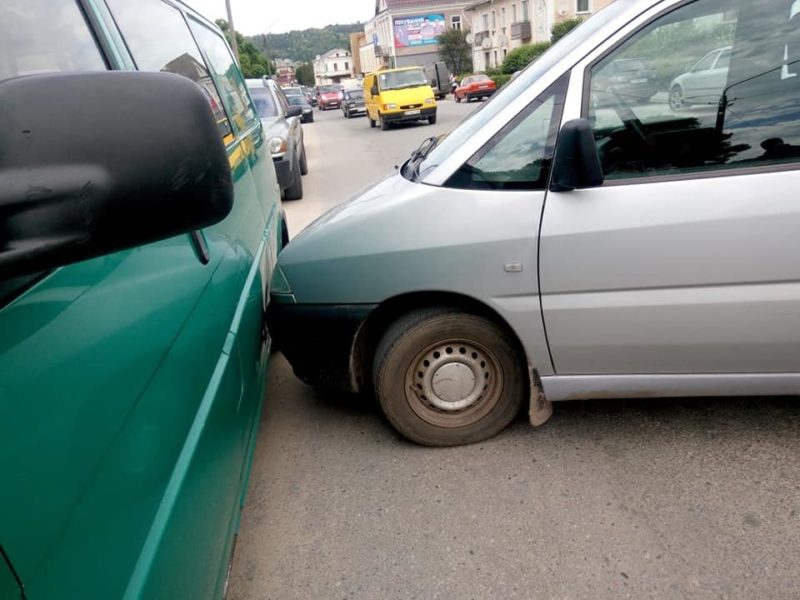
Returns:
(693,498)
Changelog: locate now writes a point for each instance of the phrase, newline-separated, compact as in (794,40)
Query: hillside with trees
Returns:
(305,45)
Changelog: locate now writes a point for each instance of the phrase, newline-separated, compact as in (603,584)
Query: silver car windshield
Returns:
(518,85)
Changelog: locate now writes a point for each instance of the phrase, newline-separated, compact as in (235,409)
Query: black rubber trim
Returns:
(317,340)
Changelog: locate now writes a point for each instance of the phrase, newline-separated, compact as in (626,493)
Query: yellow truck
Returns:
(398,96)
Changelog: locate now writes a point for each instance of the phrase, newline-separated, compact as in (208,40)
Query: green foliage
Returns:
(501,79)
(307,44)
(305,74)
(455,51)
(254,64)
(521,57)
(561,29)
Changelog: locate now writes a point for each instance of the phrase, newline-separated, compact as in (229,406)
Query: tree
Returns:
(455,51)
(521,57)
(253,63)
(561,29)
(305,74)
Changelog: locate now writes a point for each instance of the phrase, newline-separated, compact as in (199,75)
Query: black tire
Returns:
(384,124)
(311,118)
(303,162)
(413,353)
(371,121)
(284,232)
(458,98)
(432,120)
(295,191)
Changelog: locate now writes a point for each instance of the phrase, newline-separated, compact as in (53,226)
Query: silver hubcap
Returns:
(454,377)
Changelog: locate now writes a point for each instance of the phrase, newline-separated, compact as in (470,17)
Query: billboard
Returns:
(420,30)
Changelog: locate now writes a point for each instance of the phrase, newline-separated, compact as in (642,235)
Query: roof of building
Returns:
(414,5)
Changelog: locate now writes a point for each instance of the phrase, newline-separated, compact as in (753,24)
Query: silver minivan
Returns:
(556,247)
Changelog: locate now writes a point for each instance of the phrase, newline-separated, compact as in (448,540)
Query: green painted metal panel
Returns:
(130,388)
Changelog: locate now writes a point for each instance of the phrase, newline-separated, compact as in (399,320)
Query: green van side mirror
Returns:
(93,163)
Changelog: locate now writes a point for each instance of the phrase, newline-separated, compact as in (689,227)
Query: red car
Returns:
(475,86)
(329,96)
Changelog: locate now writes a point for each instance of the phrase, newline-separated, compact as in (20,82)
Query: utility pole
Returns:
(232,31)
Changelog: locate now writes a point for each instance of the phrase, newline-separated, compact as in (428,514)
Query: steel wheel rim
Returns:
(675,98)
(454,383)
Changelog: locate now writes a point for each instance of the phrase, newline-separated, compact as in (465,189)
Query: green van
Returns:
(138,233)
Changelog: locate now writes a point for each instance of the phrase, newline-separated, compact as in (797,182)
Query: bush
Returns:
(521,57)
(561,29)
(501,79)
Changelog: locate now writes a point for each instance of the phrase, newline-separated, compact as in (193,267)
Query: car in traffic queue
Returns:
(284,134)
(703,82)
(353,104)
(629,79)
(398,96)
(475,87)
(307,115)
(329,96)
(141,221)
(553,248)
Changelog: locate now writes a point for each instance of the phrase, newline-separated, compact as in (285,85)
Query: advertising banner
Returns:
(420,30)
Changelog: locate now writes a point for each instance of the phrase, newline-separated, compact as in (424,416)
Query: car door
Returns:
(685,260)
(293,125)
(696,84)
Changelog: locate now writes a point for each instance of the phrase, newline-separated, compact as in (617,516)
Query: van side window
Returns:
(227,75)
(712,85)
(518,157)
(159,40)
(45,37)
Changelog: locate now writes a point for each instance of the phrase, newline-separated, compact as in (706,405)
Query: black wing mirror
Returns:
(93,163)
(294,111)
(577,163)
(374,90)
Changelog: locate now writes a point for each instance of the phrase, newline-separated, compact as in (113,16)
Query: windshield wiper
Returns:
(421,153)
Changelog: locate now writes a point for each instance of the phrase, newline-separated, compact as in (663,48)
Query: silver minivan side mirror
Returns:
(576,163)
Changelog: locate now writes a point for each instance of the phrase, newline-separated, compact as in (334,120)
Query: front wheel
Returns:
(444,377)
(303,162)
(432,120)
(676,101)
(295,191)
(371,121)
(384,124)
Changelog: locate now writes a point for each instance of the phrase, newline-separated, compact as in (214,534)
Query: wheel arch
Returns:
(391,309)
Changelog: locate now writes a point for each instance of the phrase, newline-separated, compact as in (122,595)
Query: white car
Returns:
(703,83)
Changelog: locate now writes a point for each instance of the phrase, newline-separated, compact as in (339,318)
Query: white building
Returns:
(403,32)
(499,26)
(333,66)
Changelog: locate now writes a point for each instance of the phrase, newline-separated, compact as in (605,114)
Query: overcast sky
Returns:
(276,16)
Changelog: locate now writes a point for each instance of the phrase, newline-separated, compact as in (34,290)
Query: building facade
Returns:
(333,66)
(357,40)
(500,26)
(285,71)
(403,32)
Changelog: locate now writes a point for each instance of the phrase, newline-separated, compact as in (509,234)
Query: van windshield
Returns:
(398,80)
(511,91)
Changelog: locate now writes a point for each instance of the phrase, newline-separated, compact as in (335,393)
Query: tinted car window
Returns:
(39,36)
(228,77)
(159,40)
(265,103)
(519,156)
(742,113)
(297,100)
